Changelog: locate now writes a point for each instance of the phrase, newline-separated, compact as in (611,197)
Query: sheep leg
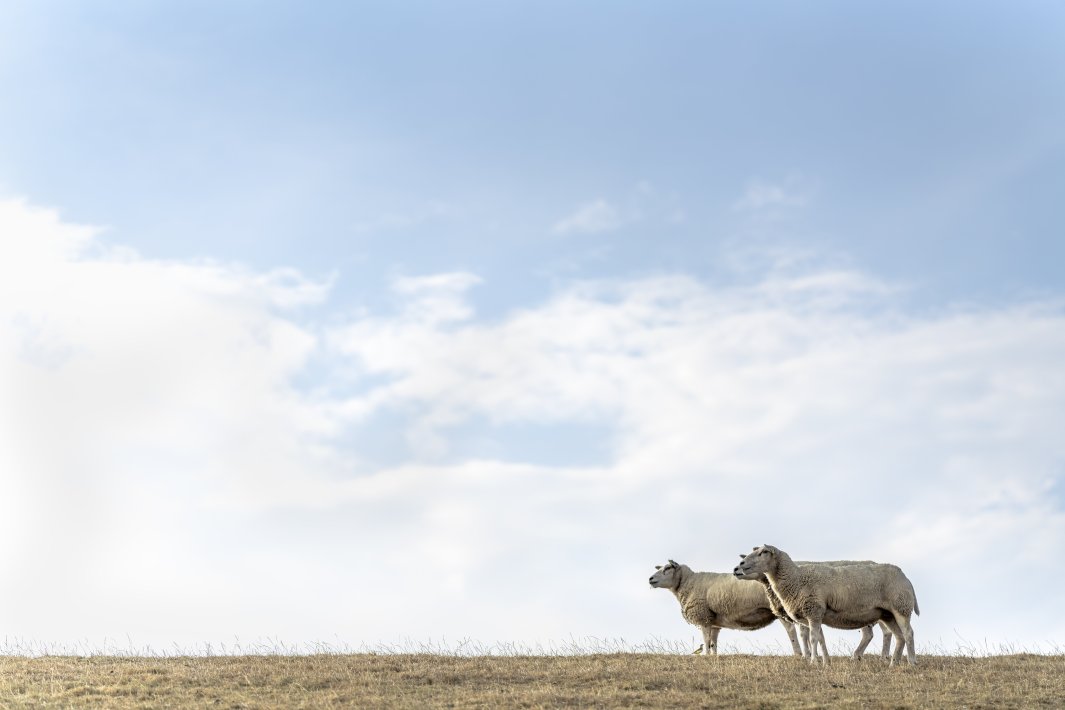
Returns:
(817,638)
(893,628)
(790,628)
(907,633)
(710,640)
(867,636)
(811,641)
(713,638)
(888,633)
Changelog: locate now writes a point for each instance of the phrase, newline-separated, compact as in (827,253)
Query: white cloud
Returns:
(136,394)
(761,195)
(644,203)
(437,298)
(158,456)
(590,218)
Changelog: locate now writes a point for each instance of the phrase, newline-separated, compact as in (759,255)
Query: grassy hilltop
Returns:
(611,680)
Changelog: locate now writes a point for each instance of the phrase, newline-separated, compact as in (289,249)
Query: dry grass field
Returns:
(609,680)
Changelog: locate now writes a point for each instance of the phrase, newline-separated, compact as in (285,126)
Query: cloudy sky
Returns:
(419,322)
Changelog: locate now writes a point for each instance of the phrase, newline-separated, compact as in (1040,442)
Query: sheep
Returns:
(887,623)
(717,600)
(848,597)
(804,631)
(867,631)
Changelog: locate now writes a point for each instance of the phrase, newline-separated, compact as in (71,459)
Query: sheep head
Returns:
(666,576)
(756,563)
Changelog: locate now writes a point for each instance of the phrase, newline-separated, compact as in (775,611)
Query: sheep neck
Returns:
(775,605)
(783,578)
(692,607)
(684,583)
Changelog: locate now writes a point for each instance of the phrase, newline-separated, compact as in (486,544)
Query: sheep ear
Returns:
(743,556)
(658,566)
(674,563)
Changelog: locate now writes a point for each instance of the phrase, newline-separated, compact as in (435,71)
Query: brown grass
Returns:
(614,680)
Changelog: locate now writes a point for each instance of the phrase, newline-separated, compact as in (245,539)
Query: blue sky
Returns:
(357,139)
(367,289)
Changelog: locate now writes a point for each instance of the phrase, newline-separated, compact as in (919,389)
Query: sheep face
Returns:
(756,563)
(666,576)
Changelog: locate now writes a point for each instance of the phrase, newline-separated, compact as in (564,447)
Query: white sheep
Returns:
(717,600)
(847,597)
(804,631)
